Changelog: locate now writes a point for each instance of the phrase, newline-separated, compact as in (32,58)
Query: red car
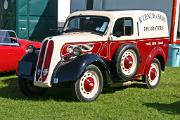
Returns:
(12,49)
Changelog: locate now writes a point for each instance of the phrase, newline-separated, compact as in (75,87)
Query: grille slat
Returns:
(40,61)
(47,60)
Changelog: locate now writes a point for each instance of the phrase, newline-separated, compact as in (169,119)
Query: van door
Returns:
(123,48)
(123,29)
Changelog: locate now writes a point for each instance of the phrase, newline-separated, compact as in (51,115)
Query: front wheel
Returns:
(90,85)
(153,78)
(28,89)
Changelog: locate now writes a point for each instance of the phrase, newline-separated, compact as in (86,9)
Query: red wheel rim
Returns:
(153,73)
(128,62)
(89,84)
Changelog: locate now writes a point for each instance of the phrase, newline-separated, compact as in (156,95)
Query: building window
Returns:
(89,4)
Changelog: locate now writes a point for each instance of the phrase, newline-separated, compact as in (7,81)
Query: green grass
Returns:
(132,103)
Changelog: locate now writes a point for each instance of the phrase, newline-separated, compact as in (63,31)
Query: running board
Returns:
(128,83)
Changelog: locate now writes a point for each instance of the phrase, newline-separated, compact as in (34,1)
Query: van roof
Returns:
(150,24)
(113,13)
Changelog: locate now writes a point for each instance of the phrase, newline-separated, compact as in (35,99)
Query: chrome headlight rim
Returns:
(30,49)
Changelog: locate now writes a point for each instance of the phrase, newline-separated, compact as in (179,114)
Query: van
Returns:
(98,48)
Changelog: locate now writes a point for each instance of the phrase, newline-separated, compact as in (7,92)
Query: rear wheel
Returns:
(27,87)
(153,78)
(90,85)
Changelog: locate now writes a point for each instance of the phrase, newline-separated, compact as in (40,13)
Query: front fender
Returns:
(73,70)
(27,66)
(26,43)
(156,52)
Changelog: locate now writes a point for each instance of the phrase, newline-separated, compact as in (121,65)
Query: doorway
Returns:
(89,4)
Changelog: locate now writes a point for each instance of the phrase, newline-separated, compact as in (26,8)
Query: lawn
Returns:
(132,103)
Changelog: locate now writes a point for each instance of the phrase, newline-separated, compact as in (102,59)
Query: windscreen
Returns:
(95,24)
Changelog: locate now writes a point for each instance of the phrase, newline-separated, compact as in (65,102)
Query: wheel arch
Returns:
(104,70)
(162,61)
(155,53)
(73,70)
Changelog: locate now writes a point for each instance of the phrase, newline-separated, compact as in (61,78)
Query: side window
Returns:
(74,24)
(13,37)
(123,27)
(4,37)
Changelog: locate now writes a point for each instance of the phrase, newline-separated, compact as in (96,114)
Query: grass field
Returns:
(132,103)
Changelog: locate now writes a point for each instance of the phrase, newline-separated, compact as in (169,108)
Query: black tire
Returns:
(83,89)
(152,81)
(123,54)
(28,89)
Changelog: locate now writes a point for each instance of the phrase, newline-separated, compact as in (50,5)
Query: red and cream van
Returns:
(98,48)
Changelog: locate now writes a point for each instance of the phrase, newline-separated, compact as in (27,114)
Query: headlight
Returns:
(30,49)
(77,51)
(72,52)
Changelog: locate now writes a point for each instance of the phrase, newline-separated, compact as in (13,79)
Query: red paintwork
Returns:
(40,61)
(96,45)
(10,55)
(156,51)
(47,59)
(104,50)
(89,84)
(128,61)
(178,41)
(26,43)
(153,73)
(147,48)
(173,19)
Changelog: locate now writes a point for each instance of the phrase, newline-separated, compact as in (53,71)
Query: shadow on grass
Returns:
(11,90)
(7,74)
(109,90)
(173,108)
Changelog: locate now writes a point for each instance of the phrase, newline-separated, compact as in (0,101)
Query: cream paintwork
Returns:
(59,41)
(135,14)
